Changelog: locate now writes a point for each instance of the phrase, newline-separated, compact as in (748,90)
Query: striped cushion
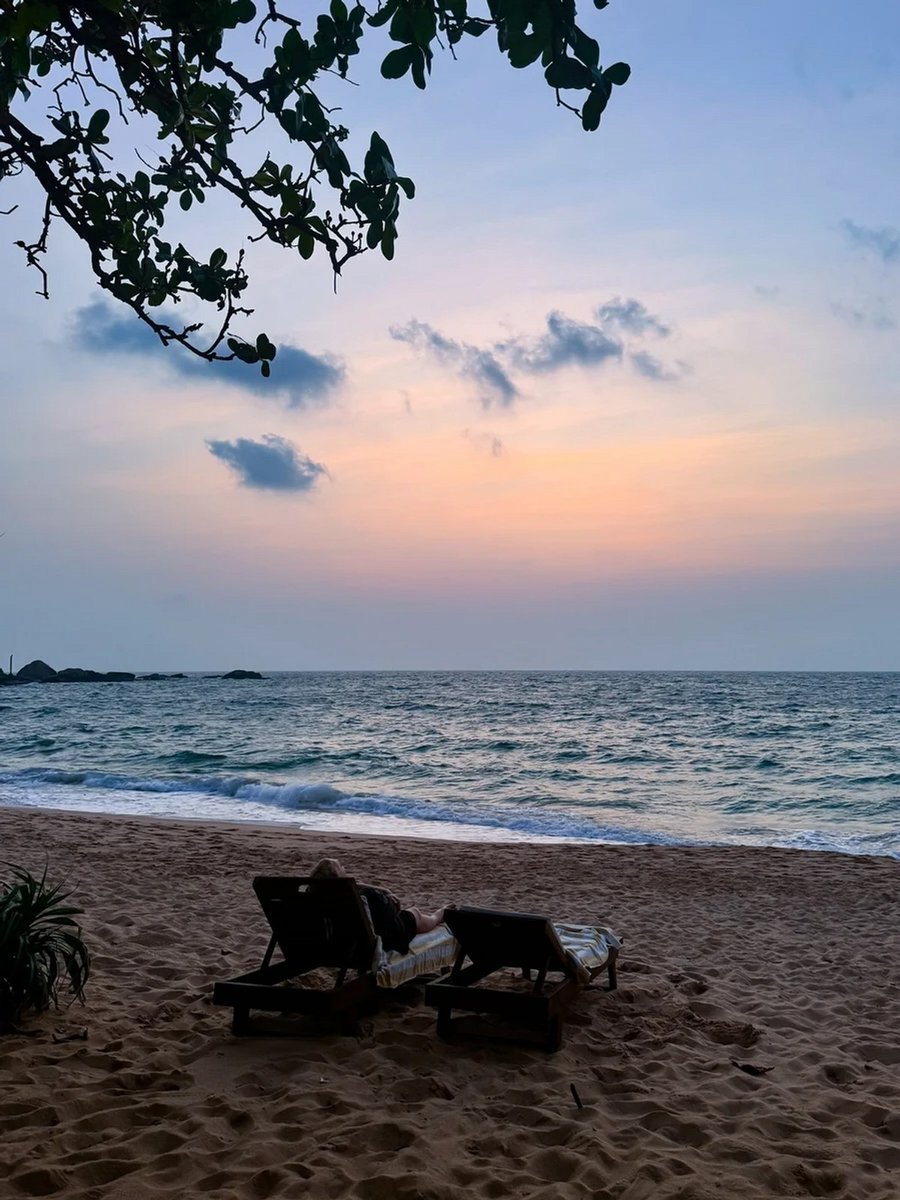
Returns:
(587,945)
(428,953)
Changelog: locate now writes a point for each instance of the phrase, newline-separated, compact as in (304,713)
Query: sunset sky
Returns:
(623,400)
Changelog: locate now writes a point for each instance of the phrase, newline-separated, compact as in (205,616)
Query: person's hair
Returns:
(326,868)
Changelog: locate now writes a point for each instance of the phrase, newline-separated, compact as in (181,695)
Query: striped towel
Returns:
(428,953)
(587,945)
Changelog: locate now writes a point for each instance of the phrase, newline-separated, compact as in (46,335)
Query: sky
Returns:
(623,400)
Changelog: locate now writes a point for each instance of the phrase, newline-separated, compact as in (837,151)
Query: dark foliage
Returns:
(86,88)
(42,953)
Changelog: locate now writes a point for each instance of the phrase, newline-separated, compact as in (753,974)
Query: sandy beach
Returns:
(785,960)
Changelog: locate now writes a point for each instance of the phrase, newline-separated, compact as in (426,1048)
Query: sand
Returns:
(776,959)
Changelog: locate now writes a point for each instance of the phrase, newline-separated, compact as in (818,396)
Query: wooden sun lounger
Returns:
(329,927)
(326,927)
(491,941)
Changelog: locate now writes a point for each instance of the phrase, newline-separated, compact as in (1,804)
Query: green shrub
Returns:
(41,949)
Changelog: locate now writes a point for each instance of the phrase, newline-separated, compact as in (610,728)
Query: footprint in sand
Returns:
(39,1181)
(839,1075)
(635,965)
(732,1033)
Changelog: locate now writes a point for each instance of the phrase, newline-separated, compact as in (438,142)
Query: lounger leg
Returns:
(611,972)
(554,1034)
(443,1022)
(240,1020)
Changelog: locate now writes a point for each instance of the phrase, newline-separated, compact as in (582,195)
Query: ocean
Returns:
(767,759)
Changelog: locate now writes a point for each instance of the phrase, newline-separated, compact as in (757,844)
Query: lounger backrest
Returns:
(508,939)
(317,923)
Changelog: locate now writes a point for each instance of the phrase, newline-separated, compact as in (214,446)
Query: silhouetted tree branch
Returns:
(165,63)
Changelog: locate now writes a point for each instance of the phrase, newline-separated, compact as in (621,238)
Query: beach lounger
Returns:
(325,927)
(489,941)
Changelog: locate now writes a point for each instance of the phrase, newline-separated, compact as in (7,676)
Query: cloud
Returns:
(651,368)
(299,377)
(566,343)
(273,464)
(874,318)
(481,366)
(632,317)
(883,241)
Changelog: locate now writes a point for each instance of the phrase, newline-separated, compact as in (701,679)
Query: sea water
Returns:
(769,759)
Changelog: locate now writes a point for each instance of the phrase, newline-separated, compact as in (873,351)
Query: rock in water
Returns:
(242,675)
(36,670)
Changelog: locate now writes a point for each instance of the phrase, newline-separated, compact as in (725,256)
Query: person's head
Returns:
(327,868)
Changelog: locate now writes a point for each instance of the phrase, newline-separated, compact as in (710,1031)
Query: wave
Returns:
(191,757)
(107,781)
(538,823)
(521,819)
(323,797)
(816,839)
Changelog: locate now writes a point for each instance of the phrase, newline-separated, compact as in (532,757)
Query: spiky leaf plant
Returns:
(42,952)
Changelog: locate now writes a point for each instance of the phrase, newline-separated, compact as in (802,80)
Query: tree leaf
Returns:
(568,73)
(397,63)
(524,50)
(418,68)
(586,48)
(384,14)
(424,25)
(592,109)
(618,73)
(264,347)
(97,124)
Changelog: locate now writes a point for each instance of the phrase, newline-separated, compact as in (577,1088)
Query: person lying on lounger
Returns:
(394,923)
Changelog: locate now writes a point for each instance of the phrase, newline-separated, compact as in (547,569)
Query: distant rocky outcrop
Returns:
(82,675)
(36,671)
(40,672)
